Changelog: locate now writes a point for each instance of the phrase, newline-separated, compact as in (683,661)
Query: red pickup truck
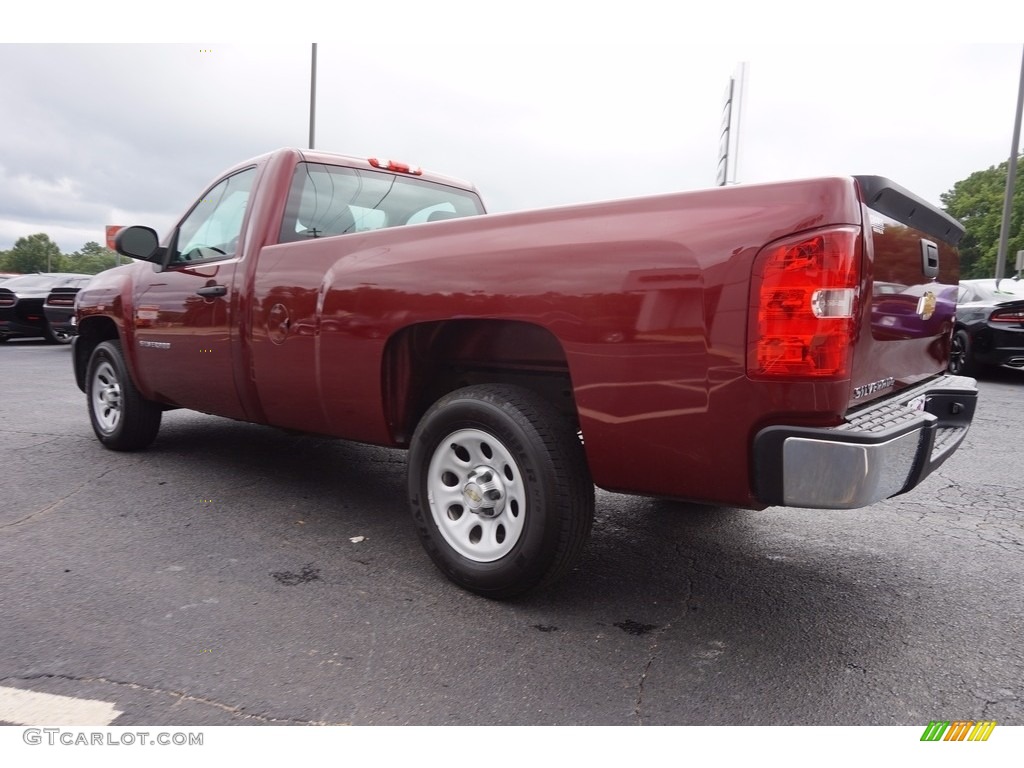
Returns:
(776,344)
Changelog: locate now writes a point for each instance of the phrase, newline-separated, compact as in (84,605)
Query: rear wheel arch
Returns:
(424,362)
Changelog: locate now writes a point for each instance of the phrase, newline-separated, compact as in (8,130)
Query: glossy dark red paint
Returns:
(639,308)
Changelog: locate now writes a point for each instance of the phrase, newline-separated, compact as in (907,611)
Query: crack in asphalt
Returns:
(45,434)
(367,668)
(985,523)
(990,702)
(652,654)
(58,502)
(53,438)
(689,602)
(180,695)
(652,650)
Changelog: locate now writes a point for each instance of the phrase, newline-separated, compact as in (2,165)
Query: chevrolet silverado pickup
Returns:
(755,345)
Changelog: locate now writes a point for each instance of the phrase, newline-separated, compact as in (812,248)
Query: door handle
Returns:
(213,290)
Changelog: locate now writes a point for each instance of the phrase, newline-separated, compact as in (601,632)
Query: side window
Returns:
(212,228)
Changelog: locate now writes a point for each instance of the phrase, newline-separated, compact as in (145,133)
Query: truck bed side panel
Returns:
(649,299)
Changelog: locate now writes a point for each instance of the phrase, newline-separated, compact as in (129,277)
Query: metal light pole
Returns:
(739,114)
(312,99)
(729,133)
(1011,177)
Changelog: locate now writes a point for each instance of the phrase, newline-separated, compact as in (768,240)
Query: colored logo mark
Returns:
(958,730)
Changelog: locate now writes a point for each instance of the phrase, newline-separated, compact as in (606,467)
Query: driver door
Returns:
(185,316)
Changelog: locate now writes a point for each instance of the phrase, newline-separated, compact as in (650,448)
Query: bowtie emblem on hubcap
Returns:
(484,492)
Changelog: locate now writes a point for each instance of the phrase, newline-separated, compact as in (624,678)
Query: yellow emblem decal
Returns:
(926,305)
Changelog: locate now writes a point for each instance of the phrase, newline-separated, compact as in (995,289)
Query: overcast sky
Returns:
(103,133)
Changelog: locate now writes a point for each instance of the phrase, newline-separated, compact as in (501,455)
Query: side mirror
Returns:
(139,243)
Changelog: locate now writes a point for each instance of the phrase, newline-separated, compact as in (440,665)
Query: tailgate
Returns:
(911,275)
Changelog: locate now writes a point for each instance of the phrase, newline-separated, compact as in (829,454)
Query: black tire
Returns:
(503,462)
(122,418)
(57,337)
(961,361)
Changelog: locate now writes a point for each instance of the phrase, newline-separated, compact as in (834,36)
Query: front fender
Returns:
(103,311)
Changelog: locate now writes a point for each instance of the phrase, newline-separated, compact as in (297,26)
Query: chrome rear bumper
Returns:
(882,450)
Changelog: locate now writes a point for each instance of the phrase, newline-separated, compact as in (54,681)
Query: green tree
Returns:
(977,202)
(35,253)
(92,258)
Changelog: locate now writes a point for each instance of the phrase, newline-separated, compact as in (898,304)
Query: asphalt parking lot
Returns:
(235,574)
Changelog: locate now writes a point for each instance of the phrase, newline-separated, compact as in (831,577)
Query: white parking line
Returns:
(19,707)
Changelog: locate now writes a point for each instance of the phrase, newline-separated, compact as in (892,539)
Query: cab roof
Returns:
(361,163)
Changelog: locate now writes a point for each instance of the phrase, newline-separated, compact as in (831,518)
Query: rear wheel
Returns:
(500,491)
(960,360)
(122,418)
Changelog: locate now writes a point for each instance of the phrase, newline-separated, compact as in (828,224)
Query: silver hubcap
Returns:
(476,495)
(106,397)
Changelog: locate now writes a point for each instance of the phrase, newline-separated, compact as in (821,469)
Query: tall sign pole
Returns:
(312,100)
(1011,178)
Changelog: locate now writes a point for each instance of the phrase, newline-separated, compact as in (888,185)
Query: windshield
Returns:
(1009,290)
(41,281)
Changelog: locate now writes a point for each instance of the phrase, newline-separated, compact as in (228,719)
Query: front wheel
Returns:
(122,418)
(500,491)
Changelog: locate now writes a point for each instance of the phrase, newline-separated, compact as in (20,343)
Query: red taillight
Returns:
(61,301)
(1007,316)
(391,165)
(805,293)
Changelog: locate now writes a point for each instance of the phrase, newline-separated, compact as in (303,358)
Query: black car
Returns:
(22,300)
(989,326)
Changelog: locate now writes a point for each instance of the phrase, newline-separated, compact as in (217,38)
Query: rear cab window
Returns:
(330,200)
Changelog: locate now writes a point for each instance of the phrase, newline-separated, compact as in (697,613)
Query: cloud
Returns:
(132,134)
